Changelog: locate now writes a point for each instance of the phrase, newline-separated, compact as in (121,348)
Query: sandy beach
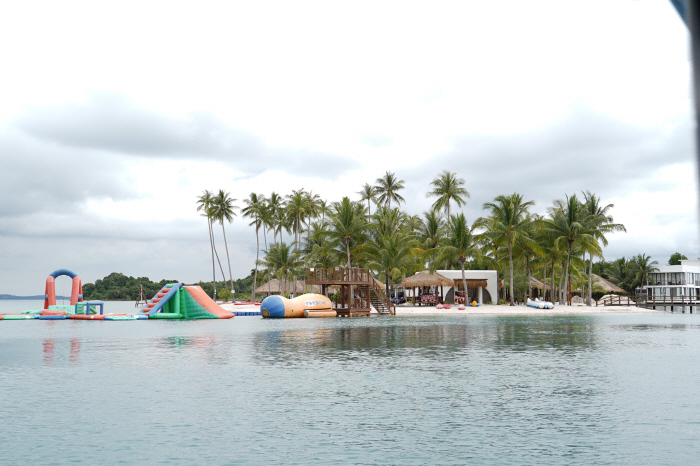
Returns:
(491,309)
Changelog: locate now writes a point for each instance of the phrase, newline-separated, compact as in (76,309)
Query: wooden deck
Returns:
(358,290)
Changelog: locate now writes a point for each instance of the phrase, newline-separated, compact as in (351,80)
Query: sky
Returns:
(116,116)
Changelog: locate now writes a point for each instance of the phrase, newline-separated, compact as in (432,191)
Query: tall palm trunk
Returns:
(568,259)
(510,260)
(561,285)
(216,253)
(529,283)
(590,280)
(544,283)
(552,295)
(230,277)
(464,279)
(347,249)
(296,246)
(257,257)
(213,263)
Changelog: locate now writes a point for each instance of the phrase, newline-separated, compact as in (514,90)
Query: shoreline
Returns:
(497,310)
(492,309)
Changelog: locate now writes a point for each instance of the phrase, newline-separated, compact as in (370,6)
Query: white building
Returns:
(475,281)
(674,286)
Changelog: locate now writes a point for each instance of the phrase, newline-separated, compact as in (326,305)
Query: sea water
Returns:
(600,389)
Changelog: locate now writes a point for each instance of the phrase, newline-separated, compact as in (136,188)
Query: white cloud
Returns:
(542,97)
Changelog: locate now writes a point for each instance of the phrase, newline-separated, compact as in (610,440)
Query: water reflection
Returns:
(429,338)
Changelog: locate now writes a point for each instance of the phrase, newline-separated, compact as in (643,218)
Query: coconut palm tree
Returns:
(641,267)
(255,204)
(509,223)
(461,245)
(600,223)
(283,261)
(212,213)
(347,224)
(297,208)
(392,255)
(275,205)
(368,193)
(432,233)
(567,225)
(388,188)
(447,188)
(204,203)
(224,210)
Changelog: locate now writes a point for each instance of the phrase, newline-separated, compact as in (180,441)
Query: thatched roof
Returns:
(603,284)
(425,278)
(274,286)
(471,282)
(536,284)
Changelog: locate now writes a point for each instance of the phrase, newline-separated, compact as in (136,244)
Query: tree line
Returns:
(120,287)
(374,232)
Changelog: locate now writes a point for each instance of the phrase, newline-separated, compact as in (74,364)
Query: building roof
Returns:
(425,278)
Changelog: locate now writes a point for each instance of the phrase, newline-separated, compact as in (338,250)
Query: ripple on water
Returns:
(477,390)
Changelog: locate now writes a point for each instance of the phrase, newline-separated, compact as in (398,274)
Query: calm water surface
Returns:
(612,389)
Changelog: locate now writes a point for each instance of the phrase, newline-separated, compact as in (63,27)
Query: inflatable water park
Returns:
(306,305)
(173,301)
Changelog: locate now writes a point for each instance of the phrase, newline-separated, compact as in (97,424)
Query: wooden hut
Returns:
(426,279)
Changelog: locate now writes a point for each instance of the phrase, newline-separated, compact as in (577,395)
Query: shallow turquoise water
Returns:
(611,389)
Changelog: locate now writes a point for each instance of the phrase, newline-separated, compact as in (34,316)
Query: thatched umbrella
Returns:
(425,278)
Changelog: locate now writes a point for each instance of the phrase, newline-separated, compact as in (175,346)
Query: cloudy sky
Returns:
(115,116)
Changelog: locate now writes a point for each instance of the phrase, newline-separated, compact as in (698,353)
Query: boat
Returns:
(537,304)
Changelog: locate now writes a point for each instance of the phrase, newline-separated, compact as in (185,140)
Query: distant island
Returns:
(119,287)
(36,297)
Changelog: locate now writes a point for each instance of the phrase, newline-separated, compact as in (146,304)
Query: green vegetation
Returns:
(119,287)
(676,258)
(374,232)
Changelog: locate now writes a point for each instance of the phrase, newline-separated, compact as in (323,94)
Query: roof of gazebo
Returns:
(425,278)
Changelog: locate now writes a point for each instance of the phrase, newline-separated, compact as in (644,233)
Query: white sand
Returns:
(492,309)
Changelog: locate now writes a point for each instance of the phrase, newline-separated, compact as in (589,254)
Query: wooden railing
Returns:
(381,294)
(338,274)
(355,275)
(646,301)
(615,300)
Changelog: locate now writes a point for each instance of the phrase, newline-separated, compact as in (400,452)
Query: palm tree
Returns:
(347,224)
(447,188)
(530,249)
(461,245)
(388,188)
(641,267)
(255,204)
(212,213)
(204,203)
(567,224)
(368,193)
(432,233)
(509,223)
(275,205)
(392,255)
(600,223)
(283,262)
(224,208)
(297,209)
